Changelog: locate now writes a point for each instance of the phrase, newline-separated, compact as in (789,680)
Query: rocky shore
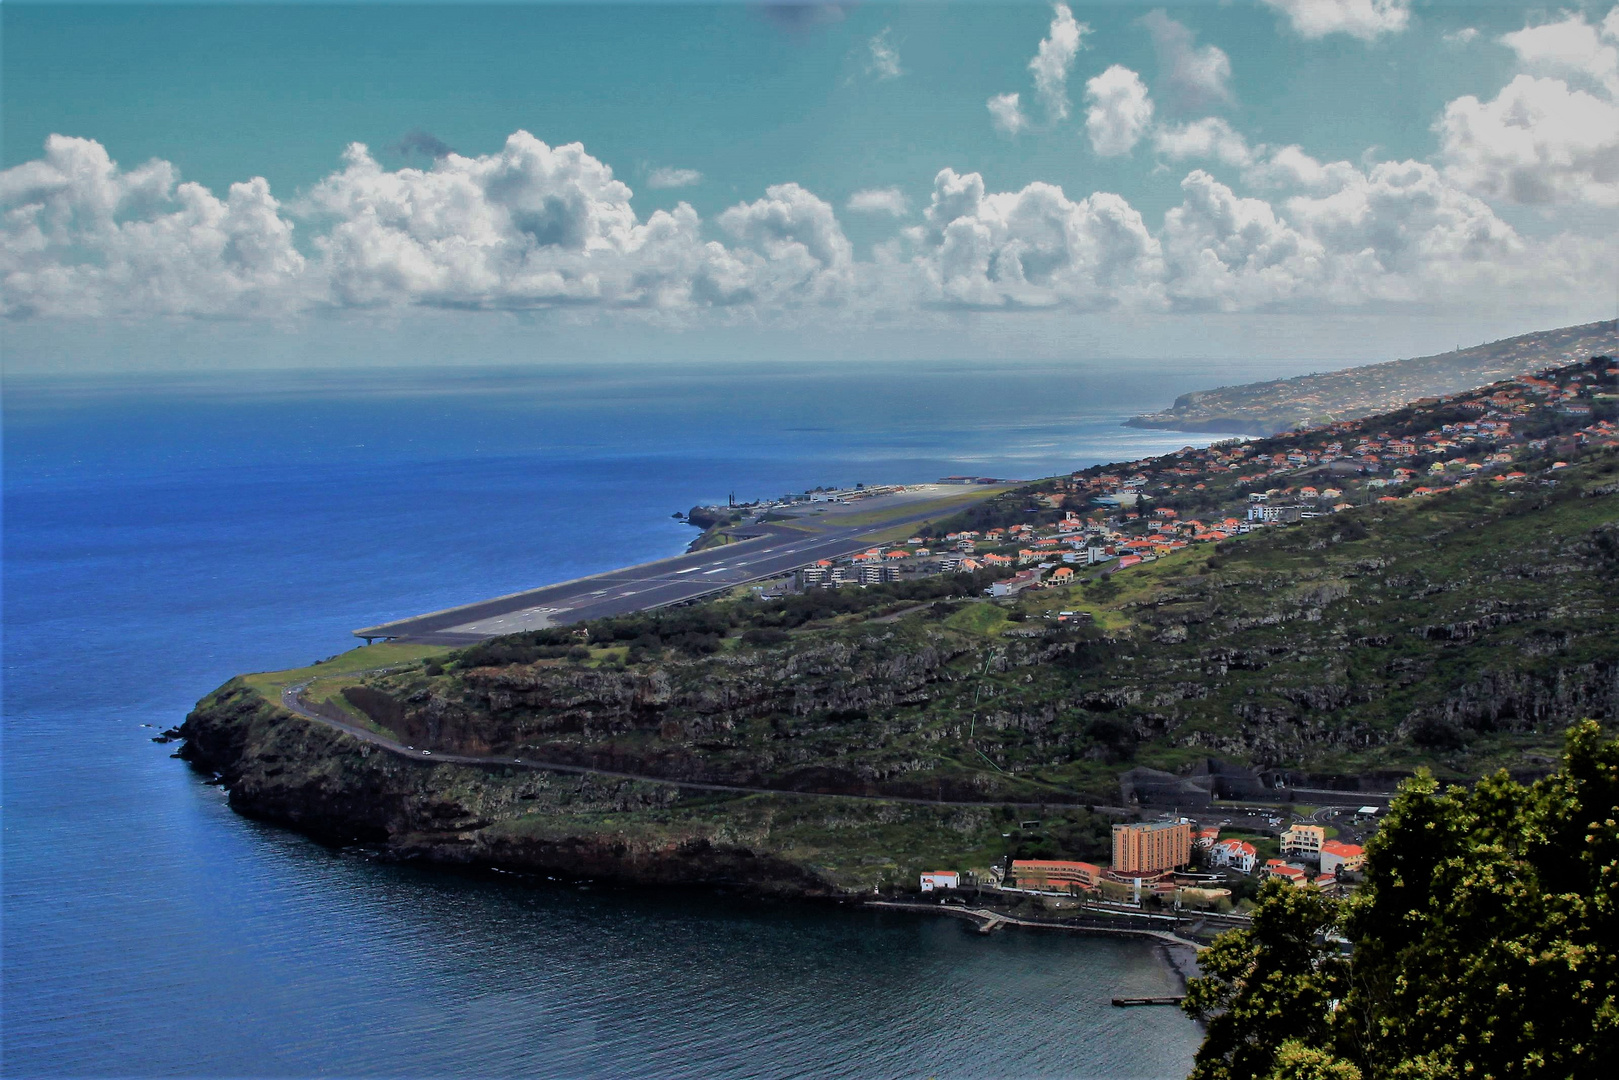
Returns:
(283,768)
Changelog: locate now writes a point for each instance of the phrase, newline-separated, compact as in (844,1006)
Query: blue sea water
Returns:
(164,533)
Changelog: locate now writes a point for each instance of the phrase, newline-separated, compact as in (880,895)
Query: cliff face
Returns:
(283,768)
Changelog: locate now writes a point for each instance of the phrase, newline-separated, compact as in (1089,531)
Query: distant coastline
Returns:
(1268,408)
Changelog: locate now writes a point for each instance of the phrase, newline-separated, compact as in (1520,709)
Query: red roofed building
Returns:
(1336,855)
(1278,868)
(1237,854)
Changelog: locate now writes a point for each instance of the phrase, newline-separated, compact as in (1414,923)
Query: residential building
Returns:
(1152,846)
(1294,874)
(1337,855)
(1304,840)
(1049,874)
(876,574)
(1237,854)
(940,879)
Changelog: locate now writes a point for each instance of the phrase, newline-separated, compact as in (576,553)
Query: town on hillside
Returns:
(1124,514)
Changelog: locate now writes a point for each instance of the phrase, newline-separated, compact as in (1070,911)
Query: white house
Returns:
(1237,854)
(940,879)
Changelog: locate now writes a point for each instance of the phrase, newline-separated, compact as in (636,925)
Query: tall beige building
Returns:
(1147,847)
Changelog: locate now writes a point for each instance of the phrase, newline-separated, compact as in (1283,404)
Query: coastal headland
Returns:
(1251,635)
(1266,408)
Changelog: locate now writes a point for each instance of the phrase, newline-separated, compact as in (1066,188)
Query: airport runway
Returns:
(773,551)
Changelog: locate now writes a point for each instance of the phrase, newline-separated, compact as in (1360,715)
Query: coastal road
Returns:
(293,701)
(771,551)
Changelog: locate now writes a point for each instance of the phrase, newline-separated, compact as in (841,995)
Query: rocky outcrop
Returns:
(283,768)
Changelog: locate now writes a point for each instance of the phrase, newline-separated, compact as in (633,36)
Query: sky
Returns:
(267,185)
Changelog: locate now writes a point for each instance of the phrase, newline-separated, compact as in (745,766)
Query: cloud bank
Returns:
(536,226)
(532,226)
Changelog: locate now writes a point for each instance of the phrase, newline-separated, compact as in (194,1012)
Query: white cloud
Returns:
(1537,141)
(1210,138)
(1198,78)
(1120,111)
(1363,19)
(1394,234)
(531,225)
(1054,59)
(537,226)
(1465,36)
(879,201)
(673,178)
(1551,135)
(883,62)
(1289,167)
(1033,248)
(1006,112)
(1572,48)
(83,237)
(1231,253)
(807,257)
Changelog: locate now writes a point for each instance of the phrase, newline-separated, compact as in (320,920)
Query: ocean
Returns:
(162,533)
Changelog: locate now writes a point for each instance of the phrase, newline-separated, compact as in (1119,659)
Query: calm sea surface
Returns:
(164,534)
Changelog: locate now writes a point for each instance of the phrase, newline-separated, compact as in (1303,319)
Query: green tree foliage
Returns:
(1485,943)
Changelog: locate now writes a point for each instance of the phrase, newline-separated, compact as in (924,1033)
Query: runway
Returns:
(773,551)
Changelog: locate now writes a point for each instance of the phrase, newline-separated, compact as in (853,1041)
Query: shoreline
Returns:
(1178,955)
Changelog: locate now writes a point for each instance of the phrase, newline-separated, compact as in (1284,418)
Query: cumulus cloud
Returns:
(1119,113)
(1210,138)
(83,237)
(538,226)
(1198,78)
(1465,36)
(883,61)
(1572,48)
(1290,168)
(1363,19)
(1551,135)
(1055,57)
(1033,248)
(806,256)
(673,178)
(1394,233)
(1006,113)
(879,201)
(1537,141)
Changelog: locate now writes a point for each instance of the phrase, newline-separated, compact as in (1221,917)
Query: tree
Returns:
(1485,943)
(1267,984)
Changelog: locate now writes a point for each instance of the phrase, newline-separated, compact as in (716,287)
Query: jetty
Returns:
(1126,1003)
(990,921)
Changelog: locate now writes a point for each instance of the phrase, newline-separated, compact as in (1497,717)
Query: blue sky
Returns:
(1356,171)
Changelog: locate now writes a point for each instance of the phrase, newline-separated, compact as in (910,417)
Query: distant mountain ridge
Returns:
(1266,408)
